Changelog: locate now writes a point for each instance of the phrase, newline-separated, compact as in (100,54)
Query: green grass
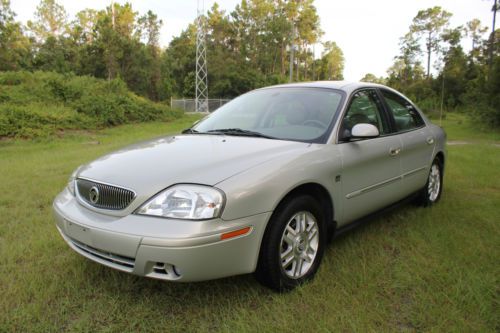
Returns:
(415,269)
(461,128)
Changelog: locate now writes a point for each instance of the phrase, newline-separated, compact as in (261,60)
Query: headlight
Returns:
(192,202)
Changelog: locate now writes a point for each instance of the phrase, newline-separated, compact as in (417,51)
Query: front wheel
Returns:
(431,193)
(293,244)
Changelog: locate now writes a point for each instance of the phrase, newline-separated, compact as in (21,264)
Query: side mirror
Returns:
(364,131)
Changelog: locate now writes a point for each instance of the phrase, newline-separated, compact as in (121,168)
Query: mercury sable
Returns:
(259,186)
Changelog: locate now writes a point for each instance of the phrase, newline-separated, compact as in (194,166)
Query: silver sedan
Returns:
(260,185)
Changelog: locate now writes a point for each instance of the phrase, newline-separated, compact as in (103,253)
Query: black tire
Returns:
(425,198)
(269,270)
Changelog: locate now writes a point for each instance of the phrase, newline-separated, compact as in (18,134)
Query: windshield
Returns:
(301,114)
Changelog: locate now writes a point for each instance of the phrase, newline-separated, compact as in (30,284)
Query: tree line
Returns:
(464,81)
(247,48)
(250,47)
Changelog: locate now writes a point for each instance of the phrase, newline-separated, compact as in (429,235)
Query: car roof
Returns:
(346,86)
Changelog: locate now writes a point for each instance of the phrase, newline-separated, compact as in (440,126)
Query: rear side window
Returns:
(405,115)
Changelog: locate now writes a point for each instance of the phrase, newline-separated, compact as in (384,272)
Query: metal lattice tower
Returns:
(201,61)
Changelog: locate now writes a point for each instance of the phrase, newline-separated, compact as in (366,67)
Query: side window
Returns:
(404,113)
(365,108)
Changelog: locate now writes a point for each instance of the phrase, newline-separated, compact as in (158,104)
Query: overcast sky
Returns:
(367,31)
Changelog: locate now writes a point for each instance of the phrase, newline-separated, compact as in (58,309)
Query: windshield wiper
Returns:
(240,132)
(229,131)
(190,131)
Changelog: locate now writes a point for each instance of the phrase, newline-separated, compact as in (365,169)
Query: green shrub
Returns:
(42,103)
(35,120)
(484,115)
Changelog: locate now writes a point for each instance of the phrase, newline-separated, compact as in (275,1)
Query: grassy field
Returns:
(415,269)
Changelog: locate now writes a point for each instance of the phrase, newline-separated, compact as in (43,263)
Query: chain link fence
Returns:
(189,105)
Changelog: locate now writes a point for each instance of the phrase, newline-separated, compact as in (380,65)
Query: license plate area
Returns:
(79,233)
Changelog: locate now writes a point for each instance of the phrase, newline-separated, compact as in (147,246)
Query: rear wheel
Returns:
(431,193)
(293,244)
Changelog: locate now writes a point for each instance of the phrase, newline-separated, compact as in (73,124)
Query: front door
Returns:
(371,175)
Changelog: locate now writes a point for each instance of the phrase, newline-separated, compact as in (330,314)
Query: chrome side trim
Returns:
(372,187)
(384,183)
(409,173)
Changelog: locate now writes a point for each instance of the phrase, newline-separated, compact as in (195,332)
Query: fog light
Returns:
(166,269)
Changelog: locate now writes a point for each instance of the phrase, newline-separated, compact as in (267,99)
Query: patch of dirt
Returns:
(462,142)
(5,139)
(65,132)
(455,143)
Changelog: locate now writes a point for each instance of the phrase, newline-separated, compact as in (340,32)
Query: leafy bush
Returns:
(35,120)
(42,103)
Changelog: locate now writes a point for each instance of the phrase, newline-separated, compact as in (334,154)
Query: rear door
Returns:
(417,141)
(370,167)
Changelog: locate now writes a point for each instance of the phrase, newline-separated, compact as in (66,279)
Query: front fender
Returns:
(261,188)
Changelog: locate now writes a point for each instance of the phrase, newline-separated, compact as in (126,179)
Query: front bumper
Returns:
(175,250)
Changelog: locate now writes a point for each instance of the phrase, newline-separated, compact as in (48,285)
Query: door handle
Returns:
(394,151)
(430,140)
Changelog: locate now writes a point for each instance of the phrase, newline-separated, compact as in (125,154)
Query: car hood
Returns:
(149,167)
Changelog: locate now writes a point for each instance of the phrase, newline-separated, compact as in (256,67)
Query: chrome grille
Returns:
(109,196)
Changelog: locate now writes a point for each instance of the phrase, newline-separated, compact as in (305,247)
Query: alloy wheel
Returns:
(434,183)
(299,245)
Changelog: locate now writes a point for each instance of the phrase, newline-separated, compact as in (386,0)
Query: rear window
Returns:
(404,113)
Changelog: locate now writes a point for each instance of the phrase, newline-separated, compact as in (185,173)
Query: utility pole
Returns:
(495,8)
(201,93)
(109,57)
(292,49)
(442,100)
(113,14)
(314,62)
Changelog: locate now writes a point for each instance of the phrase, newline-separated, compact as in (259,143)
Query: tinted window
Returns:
(302,114)
(364,108)
(405,115)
